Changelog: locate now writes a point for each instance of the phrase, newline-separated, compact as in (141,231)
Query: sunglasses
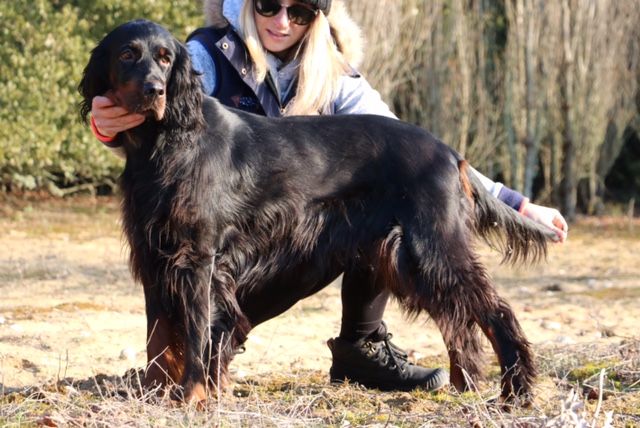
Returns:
(298,14)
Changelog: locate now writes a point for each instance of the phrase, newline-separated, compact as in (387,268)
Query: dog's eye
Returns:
(126,55)
(164,60)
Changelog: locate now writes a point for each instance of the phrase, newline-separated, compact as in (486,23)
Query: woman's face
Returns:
(277,34)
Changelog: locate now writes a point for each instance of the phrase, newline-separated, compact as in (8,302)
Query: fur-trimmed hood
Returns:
(219,13)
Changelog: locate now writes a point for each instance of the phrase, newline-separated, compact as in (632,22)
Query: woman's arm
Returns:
(203,63)
(356,96)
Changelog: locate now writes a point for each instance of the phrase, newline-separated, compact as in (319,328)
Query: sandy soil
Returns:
(68,307)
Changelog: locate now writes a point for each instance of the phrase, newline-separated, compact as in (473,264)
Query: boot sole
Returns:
(435,382)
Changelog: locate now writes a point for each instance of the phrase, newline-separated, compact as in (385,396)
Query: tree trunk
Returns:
(462,37)
(569,180)
(555,173)
(512,144)
(530,166)
(530,143)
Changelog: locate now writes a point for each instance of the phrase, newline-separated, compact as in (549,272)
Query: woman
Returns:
(286,57)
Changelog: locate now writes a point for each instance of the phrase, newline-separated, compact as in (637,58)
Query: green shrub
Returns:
(44,46)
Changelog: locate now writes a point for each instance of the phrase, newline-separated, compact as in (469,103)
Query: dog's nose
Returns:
(150,89)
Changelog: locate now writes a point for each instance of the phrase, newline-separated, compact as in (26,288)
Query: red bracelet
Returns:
(98,135)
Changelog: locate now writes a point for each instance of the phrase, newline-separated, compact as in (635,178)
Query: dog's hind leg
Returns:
(459,332)
(483,307)
(448,283)
(478,305)
(464,350)
(437,289)
(502,329)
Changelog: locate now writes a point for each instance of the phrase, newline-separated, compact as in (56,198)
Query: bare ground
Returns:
(69,311)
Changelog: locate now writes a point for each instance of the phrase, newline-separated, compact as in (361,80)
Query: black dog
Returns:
(219,203)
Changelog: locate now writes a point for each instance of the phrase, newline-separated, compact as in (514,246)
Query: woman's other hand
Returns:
(549,217)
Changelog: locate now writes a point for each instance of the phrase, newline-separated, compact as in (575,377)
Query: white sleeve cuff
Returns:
(492,187)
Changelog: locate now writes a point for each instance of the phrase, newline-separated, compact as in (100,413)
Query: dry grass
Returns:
(578,386)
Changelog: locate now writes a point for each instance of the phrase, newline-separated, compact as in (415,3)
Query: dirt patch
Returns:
(68,306)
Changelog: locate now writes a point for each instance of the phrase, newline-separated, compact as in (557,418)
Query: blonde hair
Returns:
(320,69)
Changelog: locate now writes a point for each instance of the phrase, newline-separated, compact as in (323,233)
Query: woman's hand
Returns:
(111,119)
(549,217)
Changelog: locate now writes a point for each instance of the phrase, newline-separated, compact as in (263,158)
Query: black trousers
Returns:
(363,304)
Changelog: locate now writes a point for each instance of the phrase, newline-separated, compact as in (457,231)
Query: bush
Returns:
(44,46)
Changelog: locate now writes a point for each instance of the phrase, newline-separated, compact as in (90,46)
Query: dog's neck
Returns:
(156,149)
(152,136)
(141,139)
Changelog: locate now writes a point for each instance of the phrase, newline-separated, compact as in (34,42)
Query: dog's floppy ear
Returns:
(184,92)
(95,78)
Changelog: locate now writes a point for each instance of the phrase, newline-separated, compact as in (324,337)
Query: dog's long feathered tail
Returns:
(518,238)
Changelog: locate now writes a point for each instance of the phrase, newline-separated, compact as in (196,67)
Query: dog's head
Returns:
(143,68)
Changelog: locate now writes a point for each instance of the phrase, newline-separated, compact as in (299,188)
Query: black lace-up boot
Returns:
(376,362)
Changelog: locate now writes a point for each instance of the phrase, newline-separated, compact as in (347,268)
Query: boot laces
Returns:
(389,354)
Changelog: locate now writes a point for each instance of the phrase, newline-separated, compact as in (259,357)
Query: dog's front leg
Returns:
(229,328)
(164,347)
(195,308)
